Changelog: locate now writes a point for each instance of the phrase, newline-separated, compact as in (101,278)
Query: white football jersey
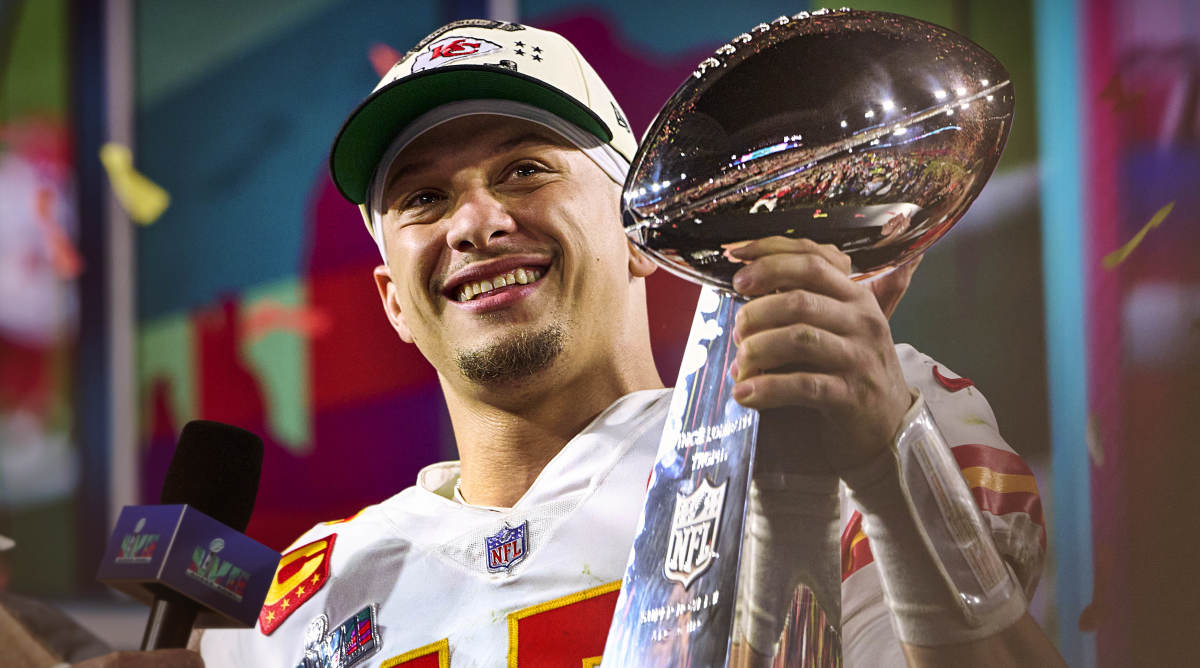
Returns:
(420,562)
(1003,487)
(425,580)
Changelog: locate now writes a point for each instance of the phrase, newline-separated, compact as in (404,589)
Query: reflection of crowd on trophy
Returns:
(873,198)
(896,171)
(870,178)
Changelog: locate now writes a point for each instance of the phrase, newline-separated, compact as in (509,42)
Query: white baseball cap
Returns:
(6,543)
(475,60)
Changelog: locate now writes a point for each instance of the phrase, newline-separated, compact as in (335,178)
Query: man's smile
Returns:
(521,276)
(495,283)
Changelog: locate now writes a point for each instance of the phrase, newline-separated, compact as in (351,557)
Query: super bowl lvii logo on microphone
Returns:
(218,573)
(137,547)
(694,532)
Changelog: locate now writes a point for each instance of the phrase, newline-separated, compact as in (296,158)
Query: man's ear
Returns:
(391,305)
(640,264)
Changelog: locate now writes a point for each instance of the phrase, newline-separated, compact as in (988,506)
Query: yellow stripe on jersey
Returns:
(980,476)
(442,647)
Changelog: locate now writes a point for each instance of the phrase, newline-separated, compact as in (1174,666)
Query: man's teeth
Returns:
(520,276)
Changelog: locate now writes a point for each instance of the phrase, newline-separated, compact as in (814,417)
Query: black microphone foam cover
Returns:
(215,470)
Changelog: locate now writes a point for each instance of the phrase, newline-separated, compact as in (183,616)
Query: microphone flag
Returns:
(179,548)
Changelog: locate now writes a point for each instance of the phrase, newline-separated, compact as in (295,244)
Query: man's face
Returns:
(505,252)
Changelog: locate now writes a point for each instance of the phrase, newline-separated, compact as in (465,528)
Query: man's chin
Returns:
(517,357)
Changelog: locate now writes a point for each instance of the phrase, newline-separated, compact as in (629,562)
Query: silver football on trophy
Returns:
(867,130)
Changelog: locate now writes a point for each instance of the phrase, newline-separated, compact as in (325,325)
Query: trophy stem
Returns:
(685,590)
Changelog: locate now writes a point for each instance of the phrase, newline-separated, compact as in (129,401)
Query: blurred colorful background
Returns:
(171,248)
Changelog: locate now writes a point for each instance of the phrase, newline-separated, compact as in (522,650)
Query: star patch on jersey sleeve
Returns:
(301,573)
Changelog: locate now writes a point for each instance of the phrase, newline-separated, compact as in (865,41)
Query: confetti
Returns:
(1095,449)
(1096,612)
(1121,99)
(65,259)
(141,198)
(383,57)
(1118,256)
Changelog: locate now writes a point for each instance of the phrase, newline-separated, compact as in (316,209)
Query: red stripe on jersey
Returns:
(431,660)
(1000,461)
(952,384)
(856,552)
(998,504)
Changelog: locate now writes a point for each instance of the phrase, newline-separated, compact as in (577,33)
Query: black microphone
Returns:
(215,469)
(188,557)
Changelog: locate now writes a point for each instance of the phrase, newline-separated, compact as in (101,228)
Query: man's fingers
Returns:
(790,347)
(788,308)
(759,248)
(809,389)
(162,658)
(791,271)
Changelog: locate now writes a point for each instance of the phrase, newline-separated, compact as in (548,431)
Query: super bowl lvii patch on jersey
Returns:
(507,548)
(350,642)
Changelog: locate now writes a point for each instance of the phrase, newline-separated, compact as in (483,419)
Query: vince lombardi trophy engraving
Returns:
(867,130)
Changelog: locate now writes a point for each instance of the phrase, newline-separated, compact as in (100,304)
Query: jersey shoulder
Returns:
(312,560)
(1000,480)
(351,530)
(962,411)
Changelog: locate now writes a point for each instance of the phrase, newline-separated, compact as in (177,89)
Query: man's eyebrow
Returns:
(532,137)
(396,175)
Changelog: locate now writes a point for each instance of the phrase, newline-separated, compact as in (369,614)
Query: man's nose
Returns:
(477,220)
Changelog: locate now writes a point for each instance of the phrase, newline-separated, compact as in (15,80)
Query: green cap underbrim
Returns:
(371,127)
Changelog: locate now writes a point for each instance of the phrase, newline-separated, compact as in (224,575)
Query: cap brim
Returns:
(370,128)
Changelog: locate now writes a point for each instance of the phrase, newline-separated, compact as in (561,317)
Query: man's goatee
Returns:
(518,356)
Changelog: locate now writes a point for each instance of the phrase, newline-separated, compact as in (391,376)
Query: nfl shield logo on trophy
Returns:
(507,548)
(694,533)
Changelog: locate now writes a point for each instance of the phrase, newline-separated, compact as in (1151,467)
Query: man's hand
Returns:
(163,658)
(811,337)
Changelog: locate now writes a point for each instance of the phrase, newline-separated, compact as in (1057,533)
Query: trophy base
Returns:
(808,639)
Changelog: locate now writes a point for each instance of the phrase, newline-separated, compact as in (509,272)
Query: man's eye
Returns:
(421,199)
(526,170)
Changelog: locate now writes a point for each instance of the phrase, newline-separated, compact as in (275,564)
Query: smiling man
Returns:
(497,271)
(488,165)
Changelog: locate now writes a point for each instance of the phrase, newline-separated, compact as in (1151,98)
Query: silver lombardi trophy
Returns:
(867,130)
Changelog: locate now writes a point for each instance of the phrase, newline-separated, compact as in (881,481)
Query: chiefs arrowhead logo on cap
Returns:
(301,573)
(450,48)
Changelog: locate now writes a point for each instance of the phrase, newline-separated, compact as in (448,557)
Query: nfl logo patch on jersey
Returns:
(507,548)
